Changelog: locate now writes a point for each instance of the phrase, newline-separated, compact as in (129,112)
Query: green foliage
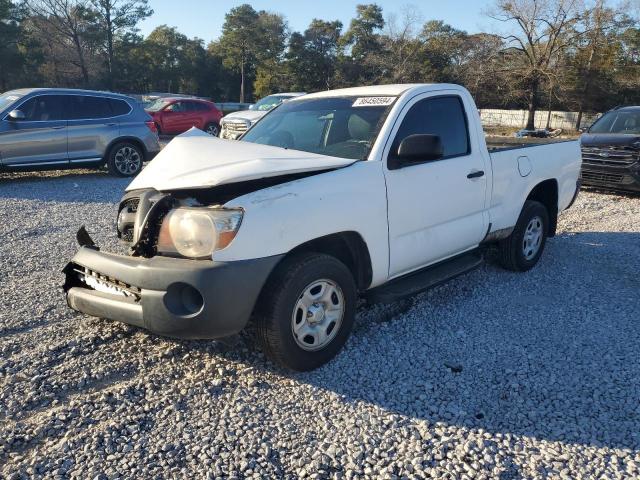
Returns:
(11,58)
(115,20)
(251,39)
(311,57)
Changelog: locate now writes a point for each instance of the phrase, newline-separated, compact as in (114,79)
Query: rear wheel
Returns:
(523,248)
(125,159)
(212,129)
(306,311)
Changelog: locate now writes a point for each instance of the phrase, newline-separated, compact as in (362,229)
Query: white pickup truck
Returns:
(377,192)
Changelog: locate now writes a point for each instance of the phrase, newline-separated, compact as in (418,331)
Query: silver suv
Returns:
(61,128)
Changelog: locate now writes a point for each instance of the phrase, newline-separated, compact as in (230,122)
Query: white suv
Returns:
(236,123)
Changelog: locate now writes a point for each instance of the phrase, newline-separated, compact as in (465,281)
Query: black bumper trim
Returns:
(229,292)
(103,305)
(625,178)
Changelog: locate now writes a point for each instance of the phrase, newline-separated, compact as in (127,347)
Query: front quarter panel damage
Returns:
(279,218)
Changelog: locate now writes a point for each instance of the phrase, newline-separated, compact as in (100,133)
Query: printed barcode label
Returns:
(373,101)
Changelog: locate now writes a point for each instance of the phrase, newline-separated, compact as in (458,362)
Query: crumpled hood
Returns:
(250,115)
(196,159)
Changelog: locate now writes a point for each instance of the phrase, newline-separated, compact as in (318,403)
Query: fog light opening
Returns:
(183,300)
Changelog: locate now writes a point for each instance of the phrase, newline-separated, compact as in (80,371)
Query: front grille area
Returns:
(601,177)
(104,283)
(609,156)
(237,128)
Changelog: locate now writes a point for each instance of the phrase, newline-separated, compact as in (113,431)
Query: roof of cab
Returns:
(382,90)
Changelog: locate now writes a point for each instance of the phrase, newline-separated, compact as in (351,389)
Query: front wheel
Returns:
(212,129)
(306,311)
(125,159)
(522,249)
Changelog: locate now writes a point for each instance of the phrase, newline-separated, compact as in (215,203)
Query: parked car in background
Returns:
(235,124)
(380,192)
(611,151)
(43,128)
(176,115)
(231,107)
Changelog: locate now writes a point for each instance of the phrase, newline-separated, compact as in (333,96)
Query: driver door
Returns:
(38,139)
(436,209)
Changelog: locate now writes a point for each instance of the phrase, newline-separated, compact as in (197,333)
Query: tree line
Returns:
(580,55)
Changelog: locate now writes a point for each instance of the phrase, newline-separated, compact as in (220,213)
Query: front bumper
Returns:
(625,178)
(193,299)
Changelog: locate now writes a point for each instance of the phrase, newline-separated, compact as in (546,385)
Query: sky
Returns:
(204,18)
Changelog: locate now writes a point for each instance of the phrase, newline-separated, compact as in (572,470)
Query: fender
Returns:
(288,215)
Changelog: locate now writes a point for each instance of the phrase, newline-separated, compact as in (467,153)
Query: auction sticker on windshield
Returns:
(373,101)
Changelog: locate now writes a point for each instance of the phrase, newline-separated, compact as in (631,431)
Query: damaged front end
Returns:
(142,212)
(166,291)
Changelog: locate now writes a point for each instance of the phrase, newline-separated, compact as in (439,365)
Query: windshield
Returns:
(621,121)
(267,103)
(8,98)
(157,105)
(344,127)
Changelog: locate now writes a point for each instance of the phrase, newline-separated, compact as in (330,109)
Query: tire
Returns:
(125,159)
(282,307)
(212,129)
(521,250)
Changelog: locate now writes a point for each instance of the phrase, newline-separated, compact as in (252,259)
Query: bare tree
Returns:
(401,52)
(71,20)
(544,29)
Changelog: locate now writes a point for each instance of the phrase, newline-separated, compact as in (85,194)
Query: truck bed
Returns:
(500,144)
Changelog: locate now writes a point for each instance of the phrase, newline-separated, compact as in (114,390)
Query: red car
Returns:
(177,115)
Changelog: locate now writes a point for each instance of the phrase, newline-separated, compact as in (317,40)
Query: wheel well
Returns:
(133,140)
(349,248)
(547,193)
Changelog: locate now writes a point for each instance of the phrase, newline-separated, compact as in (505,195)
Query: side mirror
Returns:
(417,149)
(16,115)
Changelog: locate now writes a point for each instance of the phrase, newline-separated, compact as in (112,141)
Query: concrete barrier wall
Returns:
(518,118)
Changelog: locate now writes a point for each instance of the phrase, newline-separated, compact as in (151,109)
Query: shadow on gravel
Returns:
(13,177)
(551,354)
(65,186)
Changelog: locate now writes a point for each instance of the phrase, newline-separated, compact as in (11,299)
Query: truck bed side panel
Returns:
(511,185)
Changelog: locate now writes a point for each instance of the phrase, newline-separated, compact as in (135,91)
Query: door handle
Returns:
(476,174)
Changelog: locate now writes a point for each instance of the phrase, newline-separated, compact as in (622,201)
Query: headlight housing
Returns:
(197,232)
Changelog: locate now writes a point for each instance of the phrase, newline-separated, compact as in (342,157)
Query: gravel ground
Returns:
(494,375)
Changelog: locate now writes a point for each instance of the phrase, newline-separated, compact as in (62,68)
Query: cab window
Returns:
(442,116)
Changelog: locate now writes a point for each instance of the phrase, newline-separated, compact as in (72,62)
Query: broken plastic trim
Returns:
(84,239)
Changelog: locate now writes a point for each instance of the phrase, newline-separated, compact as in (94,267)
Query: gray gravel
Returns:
(494,375)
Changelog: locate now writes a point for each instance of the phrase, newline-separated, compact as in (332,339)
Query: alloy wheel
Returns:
(127,160)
